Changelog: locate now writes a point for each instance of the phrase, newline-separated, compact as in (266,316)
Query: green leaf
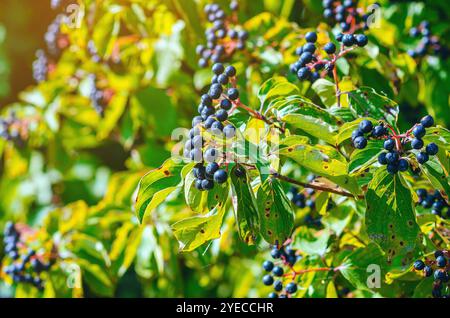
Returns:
(390,218)
(195,231)
(244,204)
(366,102)
(303,114)
(275,212)
(322,160)
(274,88)
(326,91)
(155,186)
(355,267)
(310,241)
(440,136)
(363,158)
(437,175)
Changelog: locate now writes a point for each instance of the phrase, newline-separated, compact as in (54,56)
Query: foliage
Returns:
(91,165)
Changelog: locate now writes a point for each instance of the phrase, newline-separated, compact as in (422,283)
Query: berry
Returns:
(217,127)
(222,79)
(218,68)
(421,193)
(275,253)
(361,40)
(379,131)
(389,144)
(309,47)
(200,172)
(417,144)
(441,261)
(198,185)
(330,48)
(229,131)
(304,73)
(278,286)
(230,71)
(360,142)
(392,168)
(311,37)
(403,165)
(211,155)
(267,280)
(207,184)
(419,265)
(348,39)
(427,121)
(225,104)
(233,93)
(382,158)
(206,100)
(222,115)
(366,126)
(432,149)
(278,271)
(273,295)
(306,57)
(392,157)
(438,253)
(268,266)
(422,158)
(215,91)
(419,131)
(291,288)
(440,275)
(357,133)
(220,176)
(211,168)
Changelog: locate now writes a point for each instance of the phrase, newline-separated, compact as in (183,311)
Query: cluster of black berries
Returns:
(434,201)
(12,129)
(40,66)
(345,13)
(26,264)
(55,40)
(223,38)
(213,115)
(428,44)
(100,98)
(439,269)
(302,199)
(284,259)
(312,66)
(395,144)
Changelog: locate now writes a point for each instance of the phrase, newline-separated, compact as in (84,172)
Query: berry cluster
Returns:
(428,44)
(438,268)
(13,129)
(213,115)
(303,199)
(27,264)
(100,98)
(40,66)
(284,259)
(55,40)
(224,38)
(345,13)
(312,65)
(396,145)
(434,201)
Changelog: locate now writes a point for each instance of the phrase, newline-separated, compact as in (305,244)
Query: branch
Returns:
(316,187)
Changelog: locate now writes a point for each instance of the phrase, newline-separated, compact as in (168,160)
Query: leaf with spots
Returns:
(156,185)
(204,201)
(321,160)
(244,204)
(390,218)
(275,212)
(193,232)
(361,159)
(366,102)
(310,241)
